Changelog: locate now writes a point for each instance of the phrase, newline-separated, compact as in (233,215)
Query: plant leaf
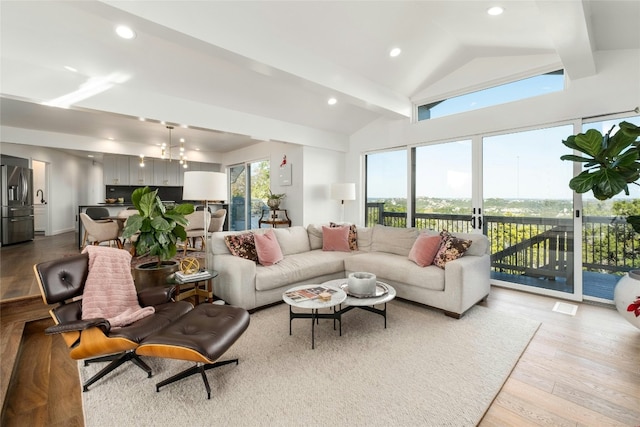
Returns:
(590,142)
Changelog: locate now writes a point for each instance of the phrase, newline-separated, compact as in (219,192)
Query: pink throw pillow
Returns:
(335,239)
(424,249)
(268,249)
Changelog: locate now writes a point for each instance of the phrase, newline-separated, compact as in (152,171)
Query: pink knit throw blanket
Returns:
(109,291)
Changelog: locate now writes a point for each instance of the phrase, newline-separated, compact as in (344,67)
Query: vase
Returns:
(626,292)
(273,203)
(149,275)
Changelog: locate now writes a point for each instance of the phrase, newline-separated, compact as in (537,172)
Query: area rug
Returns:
(423,369)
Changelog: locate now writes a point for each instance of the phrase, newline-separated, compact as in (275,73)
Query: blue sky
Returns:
(518,165)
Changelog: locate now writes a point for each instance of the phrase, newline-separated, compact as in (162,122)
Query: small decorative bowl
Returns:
(110,200)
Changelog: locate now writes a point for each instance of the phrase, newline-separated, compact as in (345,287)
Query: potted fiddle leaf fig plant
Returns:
(154,231)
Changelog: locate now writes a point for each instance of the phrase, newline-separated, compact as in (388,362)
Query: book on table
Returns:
(308,293)
(200,275)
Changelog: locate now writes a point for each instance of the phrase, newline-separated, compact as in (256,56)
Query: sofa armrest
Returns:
(236,280)
(468,279)
(156,295)
(79,325)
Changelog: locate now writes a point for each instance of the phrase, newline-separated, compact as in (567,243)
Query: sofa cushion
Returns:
(292,240)
(480,245)
(424,249)
(315,236)
(451,248)
(335,239)
(300,267)
(393,240)
(353,234)
(365,234)
(242,245)
(267,248)
(396,268)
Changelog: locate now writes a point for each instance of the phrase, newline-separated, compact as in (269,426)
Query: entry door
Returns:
(528,211)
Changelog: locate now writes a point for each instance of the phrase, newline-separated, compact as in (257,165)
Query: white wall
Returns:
(321,169)
(73,181)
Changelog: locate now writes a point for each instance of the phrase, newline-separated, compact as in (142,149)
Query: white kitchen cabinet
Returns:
(167,173)
(140,175)
(116,169)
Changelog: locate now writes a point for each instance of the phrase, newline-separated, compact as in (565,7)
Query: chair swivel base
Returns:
(116,360)
(198,368)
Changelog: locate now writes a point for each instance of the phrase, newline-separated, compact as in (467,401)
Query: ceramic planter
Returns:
(626,292)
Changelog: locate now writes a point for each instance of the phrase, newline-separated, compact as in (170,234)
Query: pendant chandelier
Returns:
(168,149)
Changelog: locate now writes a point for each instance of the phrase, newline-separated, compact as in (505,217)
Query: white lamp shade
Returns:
(205,186)
(343,191)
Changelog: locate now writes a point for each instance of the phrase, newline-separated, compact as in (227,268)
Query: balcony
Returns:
(539,251)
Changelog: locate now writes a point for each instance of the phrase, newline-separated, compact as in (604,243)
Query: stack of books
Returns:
(199,275)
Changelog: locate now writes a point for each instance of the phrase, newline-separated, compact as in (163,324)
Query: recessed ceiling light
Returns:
(90,155)
(142,119)
(70,68)
(495,11)
(125,32)
(332,101)
(110,138)
(395,52)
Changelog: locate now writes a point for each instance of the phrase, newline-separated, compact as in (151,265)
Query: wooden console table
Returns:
(274,218)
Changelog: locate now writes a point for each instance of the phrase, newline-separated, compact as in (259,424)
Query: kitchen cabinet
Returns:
(167,172)
(140,175)
(116,169)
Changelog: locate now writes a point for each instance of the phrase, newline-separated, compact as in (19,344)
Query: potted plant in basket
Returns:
(158,230)
(611,163)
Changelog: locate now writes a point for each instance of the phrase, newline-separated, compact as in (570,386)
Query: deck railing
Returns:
(536,247)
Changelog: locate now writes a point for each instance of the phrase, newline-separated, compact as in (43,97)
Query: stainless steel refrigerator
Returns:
(17,204)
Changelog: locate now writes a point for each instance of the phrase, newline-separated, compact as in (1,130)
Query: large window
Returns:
(443,186)
(521,89)
(386,188)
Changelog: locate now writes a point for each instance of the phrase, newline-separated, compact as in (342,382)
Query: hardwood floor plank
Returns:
(555,405)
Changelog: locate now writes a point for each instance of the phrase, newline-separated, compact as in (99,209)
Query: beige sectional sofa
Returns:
(381,250)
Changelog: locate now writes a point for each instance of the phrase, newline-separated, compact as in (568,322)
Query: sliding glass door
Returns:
(528,210)
(443,187)
(610,247)
(249,189)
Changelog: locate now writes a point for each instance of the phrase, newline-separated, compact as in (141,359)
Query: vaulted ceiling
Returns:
(235,72)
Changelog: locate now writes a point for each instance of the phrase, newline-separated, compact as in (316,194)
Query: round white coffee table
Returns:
(364,303)
(294,298)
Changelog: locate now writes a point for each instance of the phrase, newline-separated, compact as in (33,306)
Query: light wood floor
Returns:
(581,370)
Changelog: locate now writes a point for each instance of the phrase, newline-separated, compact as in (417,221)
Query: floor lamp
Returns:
(205,186)
(342,192)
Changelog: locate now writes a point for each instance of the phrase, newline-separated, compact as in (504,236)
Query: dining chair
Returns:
(97,214)
(98,232)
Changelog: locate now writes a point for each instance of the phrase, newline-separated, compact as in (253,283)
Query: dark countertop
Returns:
(102,205)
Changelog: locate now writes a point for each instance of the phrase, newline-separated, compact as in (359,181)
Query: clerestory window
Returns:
(514,91)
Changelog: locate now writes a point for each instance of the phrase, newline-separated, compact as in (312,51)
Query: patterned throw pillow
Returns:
(353,235)
(242,245)
(451,248)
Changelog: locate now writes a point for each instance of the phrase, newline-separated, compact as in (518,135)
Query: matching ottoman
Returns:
(202,335)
